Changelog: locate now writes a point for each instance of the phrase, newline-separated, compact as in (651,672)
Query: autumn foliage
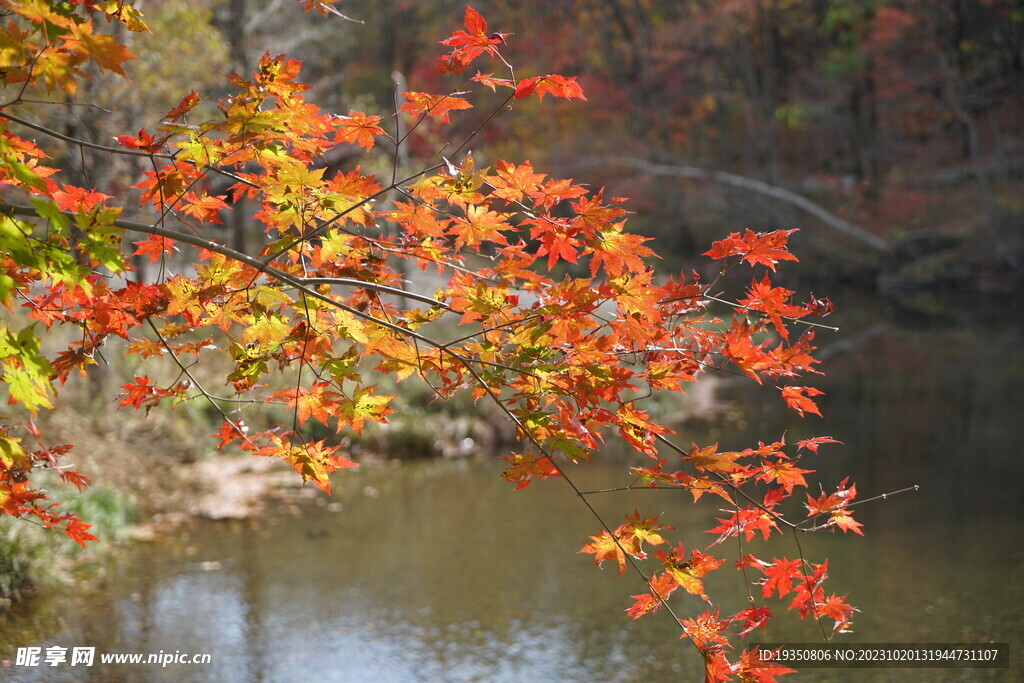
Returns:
(561,319)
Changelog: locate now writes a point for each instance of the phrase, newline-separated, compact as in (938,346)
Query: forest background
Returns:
(890,131)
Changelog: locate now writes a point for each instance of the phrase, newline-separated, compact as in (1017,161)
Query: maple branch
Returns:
(736,305)
(725,480)
(827,217)
(116,150)
(214,401)
(883,496)
(83,143)
(843,506)
(618,489)
(361,284)
(576,489)
(805,565)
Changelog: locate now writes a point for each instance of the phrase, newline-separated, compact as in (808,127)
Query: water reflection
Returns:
(446,574)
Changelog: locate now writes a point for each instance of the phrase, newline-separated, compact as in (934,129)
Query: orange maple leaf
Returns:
(708,459)
(358,128)
(438,106)
(604,547)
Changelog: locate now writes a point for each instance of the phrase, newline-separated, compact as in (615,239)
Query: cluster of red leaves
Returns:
(724,473)
(563,322)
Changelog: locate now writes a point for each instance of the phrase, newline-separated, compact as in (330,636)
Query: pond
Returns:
(439,571)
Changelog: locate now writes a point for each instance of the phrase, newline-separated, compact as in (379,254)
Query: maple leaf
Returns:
(227,434)
(314,461)
(187,103)
(638,530)
(78,199)
(604,547)
(438,106)
(514,183)
(754,669)
(76,479)
(834,607)
(812,444)
(765,248)
(637,430)
(137,392)
(818,307)
(747,521)
(142,141)
(480,224)
(661,587)
(551,84)
(525,467)
(826,504)
(779,575)
(491,82)
(557,244)
(324,8)
(359,129)
(744,354)
(317,402)
(617,251)
(708,459)
(76,530)
(705,630)
(451,64)
(752,618)
(154,247)
(785,473)
(771,301)
(798,398)
(105,50)
(845,521)
(809,592)
(475,40)
(688,571)
(365,405)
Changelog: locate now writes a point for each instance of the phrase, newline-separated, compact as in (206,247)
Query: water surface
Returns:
(439,571)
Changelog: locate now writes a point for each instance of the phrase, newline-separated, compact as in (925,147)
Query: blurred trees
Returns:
(899,116)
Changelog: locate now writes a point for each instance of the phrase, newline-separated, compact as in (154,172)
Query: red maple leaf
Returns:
(551,84)
(779,576)
(752,617)
(766,248)
(76,530)
(784,473)
(184,107)
(143,141)
(78,199)
(662,585)
(757,670)
(154,247)
(771,301)
(798,399)
(828,503)
(475,40)
(813,443)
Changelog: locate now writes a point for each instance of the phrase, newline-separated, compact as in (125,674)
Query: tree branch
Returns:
(773,191)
